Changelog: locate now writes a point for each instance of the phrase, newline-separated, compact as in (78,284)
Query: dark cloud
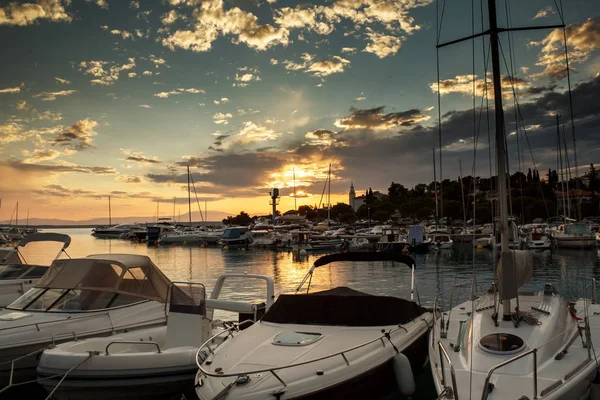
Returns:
(142,159)
(27,167)
(376,119)
(77,136)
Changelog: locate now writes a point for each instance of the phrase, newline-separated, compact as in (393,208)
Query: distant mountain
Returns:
(214,216)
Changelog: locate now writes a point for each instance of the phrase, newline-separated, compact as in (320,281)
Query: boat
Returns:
(17,276)
(235,237)
(418,242)
(508,343)
(326,345)
(113,232)
(577,235)
(190,237)
(155,231)
(154,363)
(441,241)
(392,240)
(98,295)
(536,236)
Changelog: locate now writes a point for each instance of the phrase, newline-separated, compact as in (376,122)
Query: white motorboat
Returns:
(235,237)
(114,232)
(441,241)
(98,295)
(153,363)
(536,237)
(506,343)
(263,238)
(328,345)
(17,276)
(574,236)
(192,237)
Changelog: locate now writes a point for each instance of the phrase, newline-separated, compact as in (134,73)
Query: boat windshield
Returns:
(14,271)
(231,234)
(68,300)
(577,229)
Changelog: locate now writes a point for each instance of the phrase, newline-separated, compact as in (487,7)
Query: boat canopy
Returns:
(342,306)
(365,256)
(127,274)
(46,237)
(9,256)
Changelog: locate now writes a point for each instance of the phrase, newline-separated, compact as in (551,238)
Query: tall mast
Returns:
(567,172)
(462,195)
(205,212)
(189,198)
(173,209)
(27,224)
(560,166)
(329,196)
(294,175)
(437,215)
(17,220)
(500,137)
(109,213)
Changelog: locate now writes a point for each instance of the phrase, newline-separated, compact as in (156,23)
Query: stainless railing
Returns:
(485,391)
(444,354)
(342,354)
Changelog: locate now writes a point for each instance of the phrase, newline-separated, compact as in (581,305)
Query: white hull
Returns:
(539,244)
(35,332)
(566,378)
(252,350)
(575,242)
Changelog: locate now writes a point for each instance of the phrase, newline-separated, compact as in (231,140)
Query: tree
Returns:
(370,198)
(529,176)
(242,219)
(397,193)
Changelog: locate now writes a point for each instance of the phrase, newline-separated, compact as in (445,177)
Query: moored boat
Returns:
(326,345)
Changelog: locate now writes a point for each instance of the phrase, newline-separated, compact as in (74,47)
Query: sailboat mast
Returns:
(27,224)
(109,213)
(17,220)
(437,215)
(329,195)
(205,212)
(462,195)
(294,175)
(560,166)
(500,136)
(189,198)
(567,172)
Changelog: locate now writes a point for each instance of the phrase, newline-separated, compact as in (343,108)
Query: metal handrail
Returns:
(63,333)
(444,353)
(131,342)
(37,324)
(272,370)
(485,393)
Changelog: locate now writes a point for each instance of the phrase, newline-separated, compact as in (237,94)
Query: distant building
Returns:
(357,201)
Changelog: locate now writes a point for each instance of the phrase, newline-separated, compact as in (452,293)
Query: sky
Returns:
(116,98)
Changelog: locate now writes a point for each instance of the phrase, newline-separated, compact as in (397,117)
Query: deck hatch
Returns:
(502,343)
(291,338)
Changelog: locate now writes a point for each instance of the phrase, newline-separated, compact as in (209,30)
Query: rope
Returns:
(90,355)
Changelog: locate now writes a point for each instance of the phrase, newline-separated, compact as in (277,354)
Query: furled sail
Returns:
(514,270)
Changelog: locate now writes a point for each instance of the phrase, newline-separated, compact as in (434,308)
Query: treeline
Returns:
(532,197)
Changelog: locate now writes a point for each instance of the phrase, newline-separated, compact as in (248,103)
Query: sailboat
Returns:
(505,343)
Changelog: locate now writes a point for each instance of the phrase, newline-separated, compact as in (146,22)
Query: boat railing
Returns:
(135,342)
(39,325)
(444,354)
(486,390)
(456,293)
(386,335)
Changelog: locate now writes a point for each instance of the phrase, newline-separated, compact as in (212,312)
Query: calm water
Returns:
(568,270)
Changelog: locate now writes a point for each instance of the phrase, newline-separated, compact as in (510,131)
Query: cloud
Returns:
(361,98)
(274,61)
(144,106)
(129,179)
(132,74)
(303,16)
(139,157)
(375,119)
(147,73)
(22,14)
(61,80)
(583,39)
(56,168)
(349,50)
(100,3)
(49,115)
(221,118)
(211,20)
(463,84)
(254,133)
(323,68)
(157,61)
(544,12)
(320,137)
(77,136)
(51,96)
(123,34)
(39,155)
(382,45)
(169,18)
(104,72)
(22,105)
(10,132)
(164,95)
(246,75)
(135,4)
(11,90)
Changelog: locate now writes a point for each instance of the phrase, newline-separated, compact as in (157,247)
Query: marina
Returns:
(569,270)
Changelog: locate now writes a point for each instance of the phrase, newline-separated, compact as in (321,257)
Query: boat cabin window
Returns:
(231,234)
(46,300)
(577,229)
(11,271)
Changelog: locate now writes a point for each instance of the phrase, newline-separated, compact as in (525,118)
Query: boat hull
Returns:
(576,242)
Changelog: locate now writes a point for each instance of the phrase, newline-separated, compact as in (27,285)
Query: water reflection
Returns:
(568,270)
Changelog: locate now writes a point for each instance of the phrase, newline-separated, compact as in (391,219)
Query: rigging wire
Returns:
(439,23)
(197,201)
